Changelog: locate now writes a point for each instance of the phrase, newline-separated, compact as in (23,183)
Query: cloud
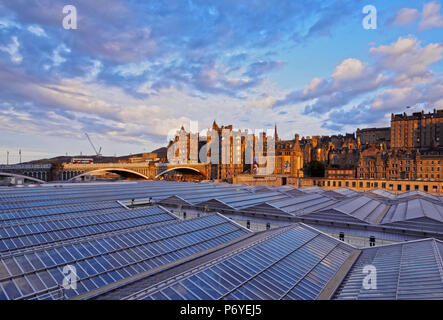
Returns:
(13,50)
(349,69)
(259,68)
(350,79)
(406,16)
(399,76)
(355,116)
(397,99)
(134,69)
(37,30)
(431,17)
(266,101)
(328,16)
(408,59)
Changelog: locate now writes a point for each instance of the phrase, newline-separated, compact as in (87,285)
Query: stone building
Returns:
(400,165)
(372,136)
(232,152)
(419,130)
(336,150)
(289,157)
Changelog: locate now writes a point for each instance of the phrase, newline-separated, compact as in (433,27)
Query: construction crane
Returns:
(98,153)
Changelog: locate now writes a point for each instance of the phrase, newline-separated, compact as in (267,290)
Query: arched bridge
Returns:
(121,171)
(142,170)
(20,176)
(71,171)
(196,168)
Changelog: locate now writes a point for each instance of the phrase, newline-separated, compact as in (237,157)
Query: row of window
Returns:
(34,239)
(372,185)
(29,214)
(98,271)
(296,264)
(75,222)
(156,239)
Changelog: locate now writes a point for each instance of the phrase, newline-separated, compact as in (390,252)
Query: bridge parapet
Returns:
(71,171)
(202,168)
(94,166)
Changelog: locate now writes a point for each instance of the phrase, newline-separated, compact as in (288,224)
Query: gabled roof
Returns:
(245,201)
(382,193)
(415,193)
(304,204)
(362,208)
(177,200)
(267,208)
(413,209)
(346,191)
(296,262)
(409,270)
(311,189)
(108,260)
(333,216)
(216,204)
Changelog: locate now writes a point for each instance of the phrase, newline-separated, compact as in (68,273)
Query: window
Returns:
(342,236)
(361,184)
(425,188)
(399,187)
(383,185)
(408,187)
(268,226)
(354,184)
(371,241)
(416,187)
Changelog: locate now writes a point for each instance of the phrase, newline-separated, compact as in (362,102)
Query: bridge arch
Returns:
(114,170)
(178,168)
(7,174)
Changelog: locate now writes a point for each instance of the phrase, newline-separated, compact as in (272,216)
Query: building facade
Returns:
(289,157)
(400,165)
(333,173)
(419,130)
(370,136)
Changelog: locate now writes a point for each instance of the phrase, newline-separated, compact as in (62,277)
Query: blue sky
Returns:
(133,71)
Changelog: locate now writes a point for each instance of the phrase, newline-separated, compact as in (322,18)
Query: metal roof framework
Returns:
(113,256)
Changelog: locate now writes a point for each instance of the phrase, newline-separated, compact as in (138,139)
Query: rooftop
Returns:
(125,242)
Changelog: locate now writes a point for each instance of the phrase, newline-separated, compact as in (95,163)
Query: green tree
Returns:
(316,169)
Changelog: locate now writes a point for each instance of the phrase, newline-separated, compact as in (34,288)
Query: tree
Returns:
(316,169)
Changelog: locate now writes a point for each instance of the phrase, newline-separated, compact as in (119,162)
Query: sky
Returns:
(132,72)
